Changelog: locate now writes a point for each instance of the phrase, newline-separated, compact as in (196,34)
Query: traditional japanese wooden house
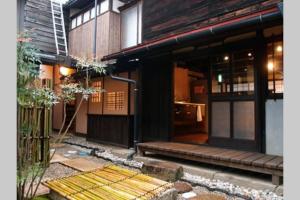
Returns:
(209,72)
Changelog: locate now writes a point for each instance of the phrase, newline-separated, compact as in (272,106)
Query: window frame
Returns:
(75,24)
(89,16)
(139,24)
(269,95)
(231,66)
(96,97)
(113,101)
(80,15)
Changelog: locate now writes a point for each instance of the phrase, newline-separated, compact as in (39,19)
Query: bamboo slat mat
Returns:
(109,183)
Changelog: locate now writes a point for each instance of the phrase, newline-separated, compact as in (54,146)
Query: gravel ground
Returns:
(57,170)
(212,195)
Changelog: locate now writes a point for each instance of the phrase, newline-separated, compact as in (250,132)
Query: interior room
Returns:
(191,102)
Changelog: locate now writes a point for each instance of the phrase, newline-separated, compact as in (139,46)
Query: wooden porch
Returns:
(250,161)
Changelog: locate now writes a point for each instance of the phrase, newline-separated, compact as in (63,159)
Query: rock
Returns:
(183,187)
(170,194)
(200,190)
(189,195)
(208,196)
(163,170)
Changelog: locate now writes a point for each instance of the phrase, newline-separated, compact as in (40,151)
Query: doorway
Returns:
(190,111)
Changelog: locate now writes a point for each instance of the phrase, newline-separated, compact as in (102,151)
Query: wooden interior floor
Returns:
(200,138)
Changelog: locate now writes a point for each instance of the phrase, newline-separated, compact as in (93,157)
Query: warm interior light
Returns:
(279,48)
(270,66)
(226,57)
(249,54)
(64,71)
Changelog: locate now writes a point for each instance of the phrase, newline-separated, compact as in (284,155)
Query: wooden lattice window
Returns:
(115,100)
(96,97)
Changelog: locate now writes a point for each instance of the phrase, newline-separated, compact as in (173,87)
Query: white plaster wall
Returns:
(274,127)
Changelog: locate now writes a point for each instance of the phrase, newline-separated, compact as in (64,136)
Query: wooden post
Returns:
(276,180)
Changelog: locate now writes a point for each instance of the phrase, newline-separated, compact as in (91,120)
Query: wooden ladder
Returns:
(59,28)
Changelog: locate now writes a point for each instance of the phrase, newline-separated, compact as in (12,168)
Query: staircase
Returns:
(59,28)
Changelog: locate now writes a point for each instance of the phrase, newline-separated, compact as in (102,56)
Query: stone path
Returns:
(58,158)
(82,164)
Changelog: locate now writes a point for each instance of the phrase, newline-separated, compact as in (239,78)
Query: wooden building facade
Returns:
(211,72)
(208,72)
(106,117)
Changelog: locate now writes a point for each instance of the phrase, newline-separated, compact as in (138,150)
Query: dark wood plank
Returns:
(99,128)
(260,162)
(193,14)
(252,158)
(214,161)
(217,156)
(229,156)
(238,159)
(274,163)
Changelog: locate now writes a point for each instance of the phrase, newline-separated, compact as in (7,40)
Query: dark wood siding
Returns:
(157,98)
(38,20)
(111,129)
(169,17)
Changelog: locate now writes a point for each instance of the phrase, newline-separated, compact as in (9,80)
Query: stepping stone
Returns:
(82,164)
(183,187)
(58,158)
(58,145)
(163,170)
(208,196)
(189,195)
(42,190)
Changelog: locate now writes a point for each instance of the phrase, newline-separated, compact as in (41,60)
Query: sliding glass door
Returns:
(232,100)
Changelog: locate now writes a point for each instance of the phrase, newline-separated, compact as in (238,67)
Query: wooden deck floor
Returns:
(250,161)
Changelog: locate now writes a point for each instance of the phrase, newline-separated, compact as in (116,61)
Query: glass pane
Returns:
(221,119)
(220,74)
(79,18)
(275,67)
(73,23)
(104,6)
(86,16)
(93,12)
(244,125)
(140,22)
(98,9)
(243,73)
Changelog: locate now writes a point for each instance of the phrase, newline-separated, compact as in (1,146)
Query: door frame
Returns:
(258,46)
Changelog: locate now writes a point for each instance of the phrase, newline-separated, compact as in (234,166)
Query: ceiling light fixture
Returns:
(270,66)
(279,48)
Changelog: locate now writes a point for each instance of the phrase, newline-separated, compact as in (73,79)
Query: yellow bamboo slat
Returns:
(109,183)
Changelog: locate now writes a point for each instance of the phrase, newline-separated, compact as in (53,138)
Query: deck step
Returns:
(249,161)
